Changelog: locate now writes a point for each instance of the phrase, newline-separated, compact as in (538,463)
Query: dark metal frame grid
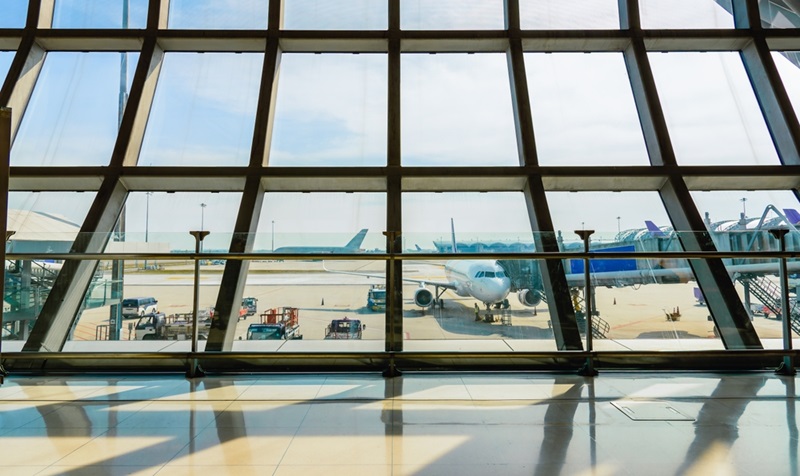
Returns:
(673,182)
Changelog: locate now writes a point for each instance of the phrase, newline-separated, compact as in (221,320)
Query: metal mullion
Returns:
(727,310)
(394,189)
(234,277)
(556,289)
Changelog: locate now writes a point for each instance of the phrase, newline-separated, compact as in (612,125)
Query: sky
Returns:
(456,111)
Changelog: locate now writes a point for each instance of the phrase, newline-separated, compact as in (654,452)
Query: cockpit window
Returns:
(490,274)
(500,274)
(479,274)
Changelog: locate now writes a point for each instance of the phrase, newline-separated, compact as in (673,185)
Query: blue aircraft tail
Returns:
(792,215)
(355,243)
(654,230)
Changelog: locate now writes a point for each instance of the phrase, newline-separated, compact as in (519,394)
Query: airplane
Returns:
(483,280)
(353,246)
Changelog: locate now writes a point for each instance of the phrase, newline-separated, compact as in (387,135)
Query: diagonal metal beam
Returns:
(556,289)
(234,277)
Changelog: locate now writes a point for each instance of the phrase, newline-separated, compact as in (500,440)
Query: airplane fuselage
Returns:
(484,280)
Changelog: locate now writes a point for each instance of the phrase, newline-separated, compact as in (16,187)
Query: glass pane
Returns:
(100,14)
(331,110)
(685,14)
(6,57)
(778,14)
(43,222)
(457,111)
(568,14)
(14,14)
(203,110)
(75,109)
(213,14)
(712,113)
(164,220)
(481,221)
(788,64)
(322,223)
(451,15)
(640,304)
(335,15)
(580,122)
(313,301)
(740,221)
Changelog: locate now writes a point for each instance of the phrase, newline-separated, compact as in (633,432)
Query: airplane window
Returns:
(490,274)
(500,274)
(479,274)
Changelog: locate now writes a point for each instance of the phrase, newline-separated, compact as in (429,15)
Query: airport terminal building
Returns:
(565,187)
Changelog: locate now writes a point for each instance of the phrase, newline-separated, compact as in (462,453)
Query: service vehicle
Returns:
(277,323)
(376,298)
(251,305)
(344,329)
(159,326)
(139,306)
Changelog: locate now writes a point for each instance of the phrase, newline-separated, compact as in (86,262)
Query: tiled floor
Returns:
(418,424)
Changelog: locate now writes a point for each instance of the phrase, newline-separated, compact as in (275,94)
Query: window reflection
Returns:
(451,14)
(100,14)
(331,110)
(74,113)
(456,110)
(6,57)
(578,121)
(215,15)
(568,14)
(711,110)
(203,111)
(335,15)
(686,14)
(14,14)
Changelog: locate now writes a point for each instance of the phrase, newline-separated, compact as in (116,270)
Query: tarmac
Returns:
(636,316)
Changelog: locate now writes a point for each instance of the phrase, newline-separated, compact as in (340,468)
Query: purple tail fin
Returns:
(792,215)
(654,230)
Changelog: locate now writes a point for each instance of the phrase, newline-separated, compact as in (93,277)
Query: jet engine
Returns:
(423,297)
(529,297)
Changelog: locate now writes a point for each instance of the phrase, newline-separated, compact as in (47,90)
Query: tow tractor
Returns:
(344,329)
(277,323)
(159,326)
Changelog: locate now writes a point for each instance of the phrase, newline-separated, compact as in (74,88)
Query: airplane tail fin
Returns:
(654,229)
(355,243)
(792,215)
(416,246)
(453,236)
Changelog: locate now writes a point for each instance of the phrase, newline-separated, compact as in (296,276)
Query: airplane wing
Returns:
(440,284)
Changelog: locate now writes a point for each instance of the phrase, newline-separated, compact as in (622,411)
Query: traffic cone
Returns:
(615,301)
(323,302)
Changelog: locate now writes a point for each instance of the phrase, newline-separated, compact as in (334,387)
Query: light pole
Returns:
(202,222)
(744,207)
(618,228)
(273,236)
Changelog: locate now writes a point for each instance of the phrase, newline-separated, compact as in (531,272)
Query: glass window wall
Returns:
(568,14)
(335,15)
(215,15)
(580,122)
(75,109)
(14,14)
(203,110)
(686,14)
(6,57)
(711,110)
(331,111)
(456,110)
(451,15)
(100,14)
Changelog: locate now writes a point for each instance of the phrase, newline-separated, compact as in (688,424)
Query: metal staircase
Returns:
(769,294)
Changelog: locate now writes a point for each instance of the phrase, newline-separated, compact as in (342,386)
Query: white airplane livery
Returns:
(484,280)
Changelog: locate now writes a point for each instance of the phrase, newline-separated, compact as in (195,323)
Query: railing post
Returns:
(588,369)
(194,368)
(3,372)
(787,367)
